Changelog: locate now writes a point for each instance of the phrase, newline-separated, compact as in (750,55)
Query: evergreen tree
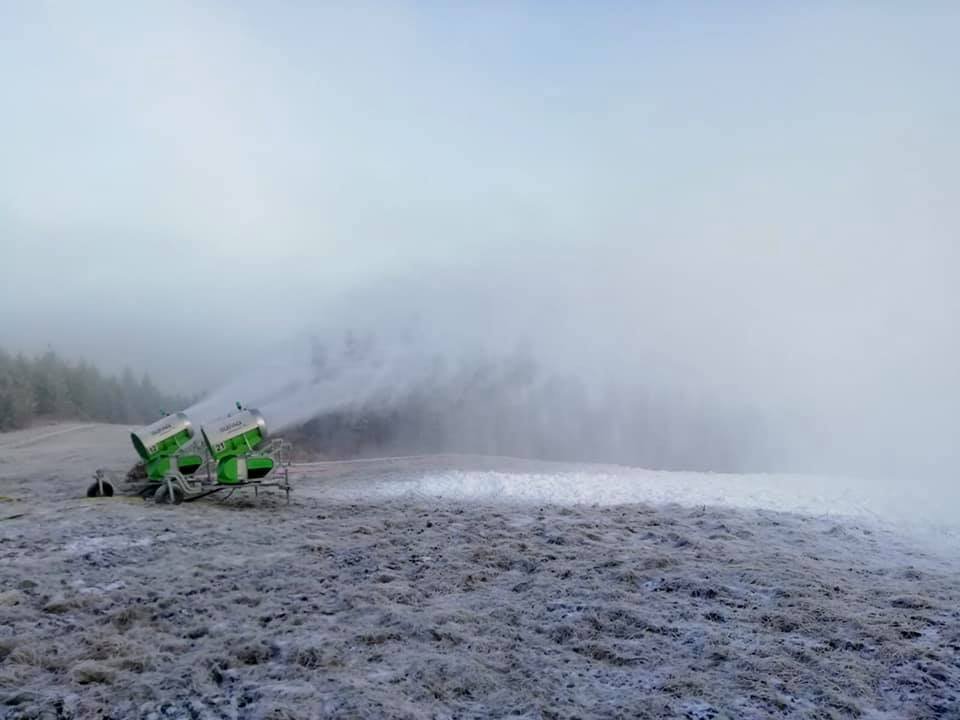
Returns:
(48,386)
(16,393)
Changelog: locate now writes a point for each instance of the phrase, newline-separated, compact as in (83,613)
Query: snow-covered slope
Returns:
(932,518)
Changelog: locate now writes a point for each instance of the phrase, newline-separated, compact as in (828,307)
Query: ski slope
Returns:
(933,518)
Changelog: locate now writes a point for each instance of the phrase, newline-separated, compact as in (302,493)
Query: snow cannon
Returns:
(236,443)
(160,446)
(233,441)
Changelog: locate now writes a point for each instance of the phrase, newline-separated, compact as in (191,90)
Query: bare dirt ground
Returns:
(387,589)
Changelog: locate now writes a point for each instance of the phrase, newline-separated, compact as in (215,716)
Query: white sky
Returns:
(758,201)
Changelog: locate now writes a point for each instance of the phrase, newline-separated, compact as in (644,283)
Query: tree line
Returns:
(47,386)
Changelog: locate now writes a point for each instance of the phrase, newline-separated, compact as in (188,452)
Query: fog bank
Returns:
(598,354)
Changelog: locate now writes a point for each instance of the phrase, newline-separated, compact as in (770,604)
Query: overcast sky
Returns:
(762,200)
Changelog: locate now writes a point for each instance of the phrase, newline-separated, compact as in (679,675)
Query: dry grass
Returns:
(419,609)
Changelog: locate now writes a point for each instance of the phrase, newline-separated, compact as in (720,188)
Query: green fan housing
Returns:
(167,446)
(233,470)
(237,445)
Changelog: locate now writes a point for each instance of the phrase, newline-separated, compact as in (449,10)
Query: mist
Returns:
(592,355)
(724,240)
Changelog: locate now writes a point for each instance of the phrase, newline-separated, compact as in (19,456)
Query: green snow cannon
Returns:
(158,445)
(232,442)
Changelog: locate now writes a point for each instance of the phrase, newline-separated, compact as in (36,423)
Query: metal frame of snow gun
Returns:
(228,454)
(252,472)
(237,455)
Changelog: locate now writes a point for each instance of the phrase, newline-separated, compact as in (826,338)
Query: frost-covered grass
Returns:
(356,604)
(414,609)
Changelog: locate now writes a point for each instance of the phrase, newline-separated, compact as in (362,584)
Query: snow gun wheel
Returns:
(100,488)
(168,495)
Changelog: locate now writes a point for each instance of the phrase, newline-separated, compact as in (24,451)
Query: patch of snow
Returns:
(938,523)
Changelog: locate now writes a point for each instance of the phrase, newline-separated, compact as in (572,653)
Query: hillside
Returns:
(458,586)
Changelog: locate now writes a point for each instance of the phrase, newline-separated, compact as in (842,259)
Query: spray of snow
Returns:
(254,388)
(321,378)
(588,384)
